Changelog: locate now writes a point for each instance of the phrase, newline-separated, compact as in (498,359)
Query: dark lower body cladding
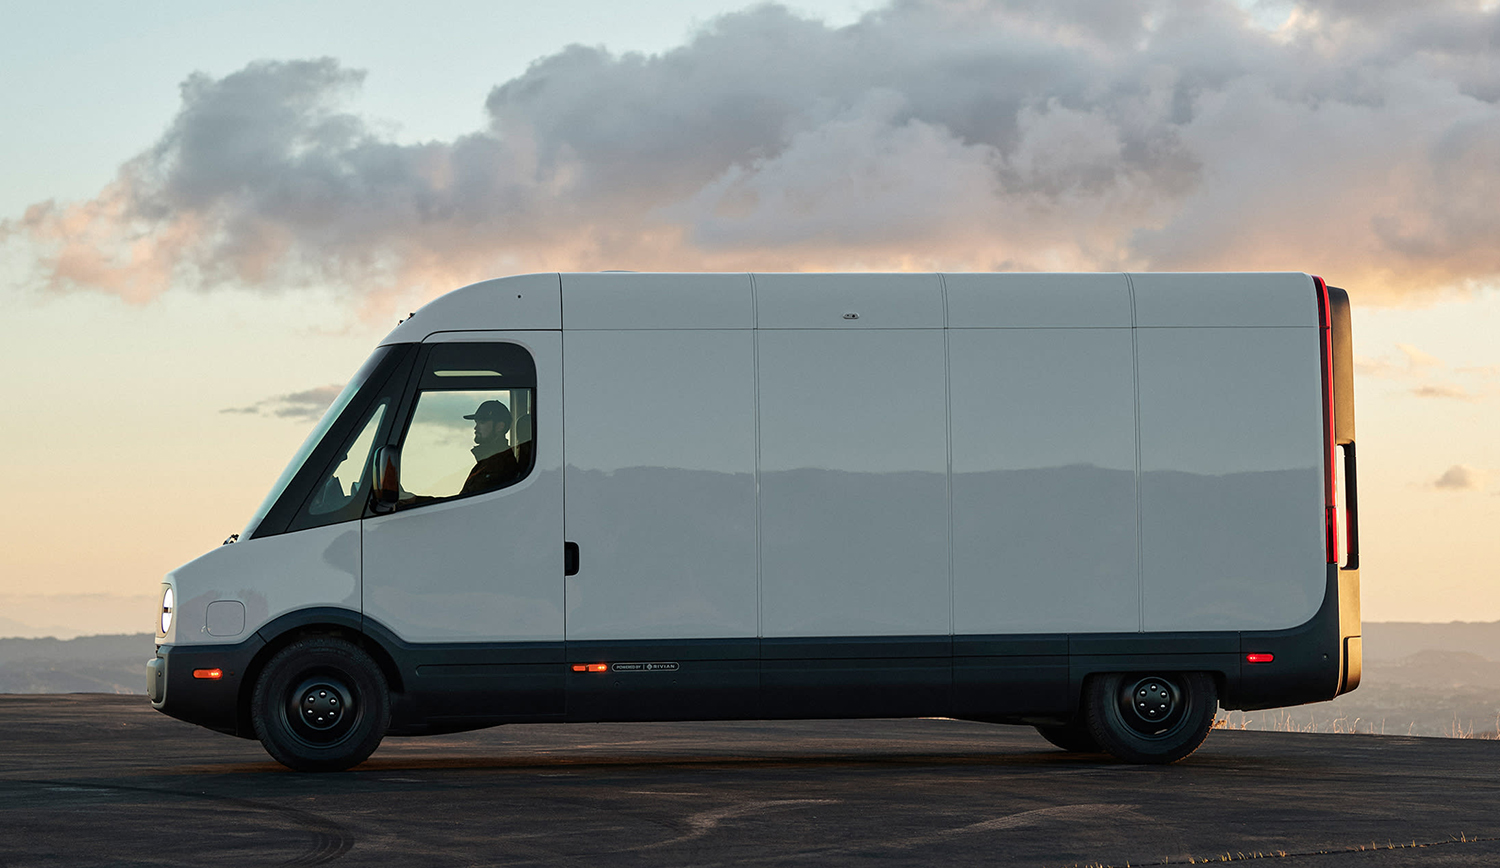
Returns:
(1035,679)
(180,682)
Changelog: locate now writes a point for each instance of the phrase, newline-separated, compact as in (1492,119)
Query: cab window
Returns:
(471,424)
(328,480)
(350,479)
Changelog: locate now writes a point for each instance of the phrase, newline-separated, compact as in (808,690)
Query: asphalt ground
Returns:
(89,779)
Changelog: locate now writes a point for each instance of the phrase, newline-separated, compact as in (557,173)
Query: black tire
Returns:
(1074,738)
(1150,717)
(320,705)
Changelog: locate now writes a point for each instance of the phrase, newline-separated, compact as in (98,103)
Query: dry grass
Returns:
(1246,856)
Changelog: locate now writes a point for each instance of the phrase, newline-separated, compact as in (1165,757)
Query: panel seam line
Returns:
(1135,377)
(755,369)
(948,436)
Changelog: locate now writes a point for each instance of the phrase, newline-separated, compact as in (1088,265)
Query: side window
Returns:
(350,478)
(341,492)
(471,423)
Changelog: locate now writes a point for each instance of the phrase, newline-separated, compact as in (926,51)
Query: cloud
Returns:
(1460,477)
(1444,390)
(1382,368)
(1360,141)
(1412,363)
(306,405)
(1415,358)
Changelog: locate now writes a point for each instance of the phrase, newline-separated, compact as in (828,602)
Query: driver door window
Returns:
(471,423)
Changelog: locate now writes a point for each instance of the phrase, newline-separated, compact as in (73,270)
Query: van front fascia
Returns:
(395,365)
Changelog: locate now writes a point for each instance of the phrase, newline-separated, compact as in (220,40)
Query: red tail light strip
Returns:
(1330,446)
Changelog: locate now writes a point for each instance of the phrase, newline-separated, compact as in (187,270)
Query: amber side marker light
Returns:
(1259,658)
(210,674)
(590,667)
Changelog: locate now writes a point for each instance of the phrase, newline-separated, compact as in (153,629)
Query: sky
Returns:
(210,214)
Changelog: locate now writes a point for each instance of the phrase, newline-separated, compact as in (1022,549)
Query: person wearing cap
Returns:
(494,463)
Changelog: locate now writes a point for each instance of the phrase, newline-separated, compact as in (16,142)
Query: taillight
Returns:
(1330,445)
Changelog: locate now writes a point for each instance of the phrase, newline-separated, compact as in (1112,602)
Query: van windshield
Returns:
(316,435)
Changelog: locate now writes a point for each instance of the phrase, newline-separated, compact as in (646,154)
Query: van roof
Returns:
(674,300)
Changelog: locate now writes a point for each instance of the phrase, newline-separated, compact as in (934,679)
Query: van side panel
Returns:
(1037,301)
(1044,495)
(1187,300)
(616,302)
(1231,478)
(853,483)
(848,301)
(660,484)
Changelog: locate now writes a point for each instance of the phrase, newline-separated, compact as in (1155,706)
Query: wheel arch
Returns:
(1223,672)
(330,621)
(1219,677)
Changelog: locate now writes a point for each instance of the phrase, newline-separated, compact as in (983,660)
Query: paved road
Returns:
(104,780)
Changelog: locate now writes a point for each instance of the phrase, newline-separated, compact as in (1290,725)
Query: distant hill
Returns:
(88,664)
(1392,640)
(68,616)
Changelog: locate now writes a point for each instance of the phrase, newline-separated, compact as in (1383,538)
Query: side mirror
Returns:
(387,478)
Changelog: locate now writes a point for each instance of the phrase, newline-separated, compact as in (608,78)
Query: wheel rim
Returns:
(321,710)
(1152,706)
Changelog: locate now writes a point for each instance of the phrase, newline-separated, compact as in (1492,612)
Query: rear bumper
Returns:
(211,703)
(1314,662)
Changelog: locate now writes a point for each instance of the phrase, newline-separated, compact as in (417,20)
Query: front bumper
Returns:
(212,703)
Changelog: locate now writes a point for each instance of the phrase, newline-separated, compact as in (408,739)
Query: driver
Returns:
(494,463)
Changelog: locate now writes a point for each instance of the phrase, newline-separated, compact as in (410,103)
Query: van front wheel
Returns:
(1150,717)
(320,705)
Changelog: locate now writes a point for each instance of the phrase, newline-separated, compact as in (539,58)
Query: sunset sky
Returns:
(209,215)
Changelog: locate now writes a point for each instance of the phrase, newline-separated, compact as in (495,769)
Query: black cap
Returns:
(491,411)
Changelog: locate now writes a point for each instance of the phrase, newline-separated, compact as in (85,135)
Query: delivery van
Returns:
(1102,505)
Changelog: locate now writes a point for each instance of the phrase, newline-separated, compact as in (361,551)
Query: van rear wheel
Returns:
(1074,738)
(1150,717)
(320,705)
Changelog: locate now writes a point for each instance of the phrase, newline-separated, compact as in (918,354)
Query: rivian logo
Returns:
(644,667)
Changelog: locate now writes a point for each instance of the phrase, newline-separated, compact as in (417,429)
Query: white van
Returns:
(1103,505)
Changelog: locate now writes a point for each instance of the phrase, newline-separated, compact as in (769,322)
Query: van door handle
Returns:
(570,558)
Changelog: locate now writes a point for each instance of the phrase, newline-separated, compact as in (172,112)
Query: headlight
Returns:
(167,601)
